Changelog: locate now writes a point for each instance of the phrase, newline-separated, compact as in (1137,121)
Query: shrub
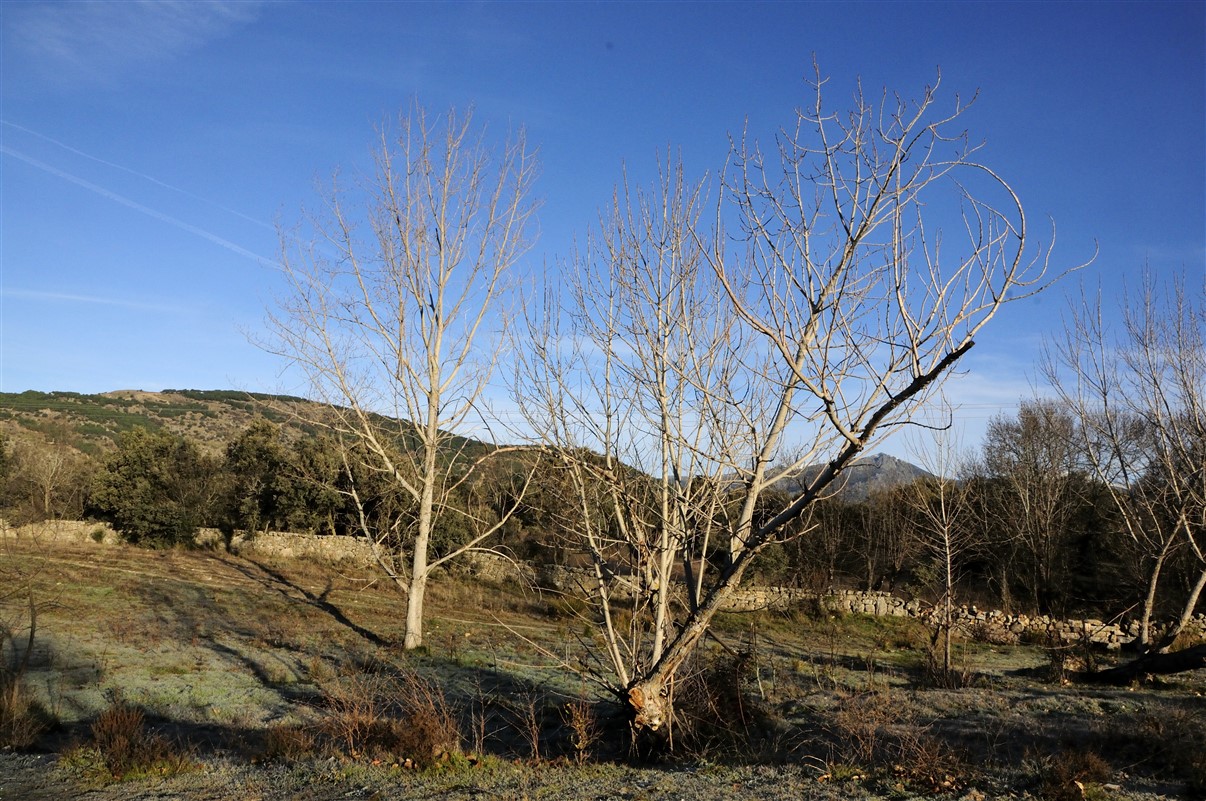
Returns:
(22,719)
(1066,774)
(400,716)
(128,749)
(583,725)
(871,731)
(289,742)
(716,716)
(156,489)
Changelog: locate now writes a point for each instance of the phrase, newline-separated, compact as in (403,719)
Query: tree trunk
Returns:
(1191,603)
(946,642)
(1152,663)
(1149,600)
(414,608)
(419,572)
(650,698)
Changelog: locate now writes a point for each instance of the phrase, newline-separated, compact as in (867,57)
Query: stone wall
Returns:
(62,531)
(989,626)
(335,550)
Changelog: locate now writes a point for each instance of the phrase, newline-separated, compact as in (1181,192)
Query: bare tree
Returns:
(887,538)
(1032,459)
(46,481)
(941,504)
(633,367)
(393,314)
(827,320)
(1139,395)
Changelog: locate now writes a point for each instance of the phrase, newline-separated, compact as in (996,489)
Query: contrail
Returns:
(94,299)
(142,175)
(125,201)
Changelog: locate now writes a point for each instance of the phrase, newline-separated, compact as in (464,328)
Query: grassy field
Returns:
(197,675)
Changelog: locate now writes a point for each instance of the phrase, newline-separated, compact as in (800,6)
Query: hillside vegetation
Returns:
(92,424)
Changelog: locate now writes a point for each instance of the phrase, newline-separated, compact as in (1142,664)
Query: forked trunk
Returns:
(650,698)
(652,707)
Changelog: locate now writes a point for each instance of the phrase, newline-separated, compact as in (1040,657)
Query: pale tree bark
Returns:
(1139,392)
(941,506)
(633,360)
(830,317)
(394,313)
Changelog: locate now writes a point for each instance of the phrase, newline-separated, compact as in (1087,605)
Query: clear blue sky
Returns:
(148,149)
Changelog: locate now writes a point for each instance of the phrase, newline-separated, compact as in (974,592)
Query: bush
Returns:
(1065,775)
(22,719)
(128,749)
(716,716)
(871,730)
(156,489)
(289,742)
(400,716)
(582,723)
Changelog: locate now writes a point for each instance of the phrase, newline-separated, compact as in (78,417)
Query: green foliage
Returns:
(156,489)
(229,395)
(259,466)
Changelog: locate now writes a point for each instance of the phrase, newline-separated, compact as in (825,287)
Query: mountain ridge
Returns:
(93,423)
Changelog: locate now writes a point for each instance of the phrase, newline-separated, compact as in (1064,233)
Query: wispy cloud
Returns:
(125,201)
(66,297)
(100,39)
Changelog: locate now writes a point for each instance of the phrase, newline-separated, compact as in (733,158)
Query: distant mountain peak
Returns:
(864,476)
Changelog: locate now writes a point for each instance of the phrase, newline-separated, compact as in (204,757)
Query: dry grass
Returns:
(23,719)
(582,721)
(1067,775)
(129,749)
(388,715)
(204,642)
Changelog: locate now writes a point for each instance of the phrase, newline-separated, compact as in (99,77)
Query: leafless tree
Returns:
(887,539)
(392,312)
(633,364)
(46,481)
(941,504)
(1138,391)
(823,323)
(1032,459)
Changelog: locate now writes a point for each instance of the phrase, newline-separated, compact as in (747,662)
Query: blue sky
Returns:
(148,150)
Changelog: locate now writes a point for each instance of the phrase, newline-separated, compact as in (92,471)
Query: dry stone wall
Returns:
(336,550)
(986,625)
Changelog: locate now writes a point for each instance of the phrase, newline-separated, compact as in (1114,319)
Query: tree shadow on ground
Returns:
(275,580)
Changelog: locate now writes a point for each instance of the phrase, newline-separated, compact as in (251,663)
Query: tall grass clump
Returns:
(129,749)
(23,720)
(397,716)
